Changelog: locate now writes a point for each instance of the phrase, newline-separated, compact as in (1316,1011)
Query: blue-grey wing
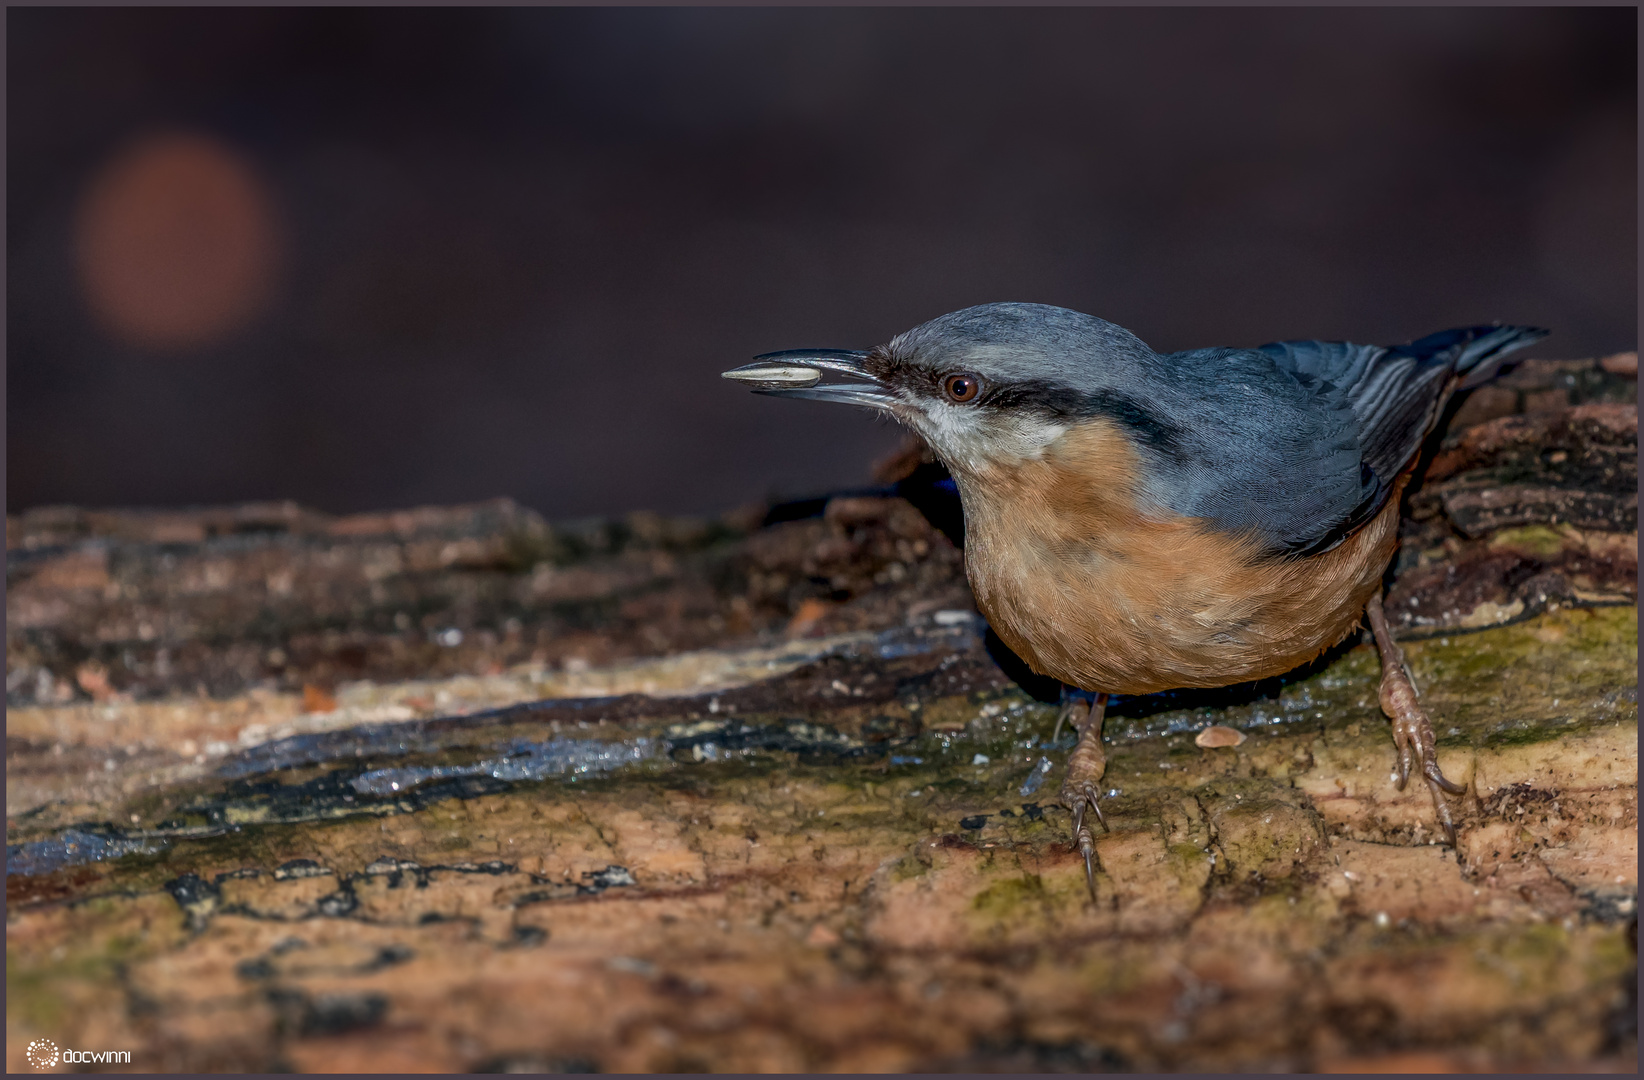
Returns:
(1311,434)
(1256,449)
(1396,392)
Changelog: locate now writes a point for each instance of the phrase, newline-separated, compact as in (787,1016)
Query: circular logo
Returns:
(42,1054)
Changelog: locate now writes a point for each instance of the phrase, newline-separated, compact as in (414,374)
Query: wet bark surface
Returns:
(458,789)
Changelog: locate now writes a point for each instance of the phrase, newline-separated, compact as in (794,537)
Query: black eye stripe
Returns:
(1052,401)
(919,378)
(1063,403)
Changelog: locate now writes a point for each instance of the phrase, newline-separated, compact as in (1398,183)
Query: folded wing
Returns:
(1396,392)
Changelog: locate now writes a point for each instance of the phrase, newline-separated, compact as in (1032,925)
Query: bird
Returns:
(1137,521)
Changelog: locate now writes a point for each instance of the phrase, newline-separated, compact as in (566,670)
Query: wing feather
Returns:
(1395,395)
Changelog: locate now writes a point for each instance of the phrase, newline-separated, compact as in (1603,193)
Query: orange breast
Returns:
(1089,589)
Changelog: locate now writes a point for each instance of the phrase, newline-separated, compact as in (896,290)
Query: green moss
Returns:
(1006,897)
(909,867)
(1610,956)
(1187,854)
(1120,968)
(1539,942)
(1540,540)
(32,981)
(29,994)
(1493,687)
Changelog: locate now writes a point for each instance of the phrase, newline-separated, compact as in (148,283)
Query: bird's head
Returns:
(985,387)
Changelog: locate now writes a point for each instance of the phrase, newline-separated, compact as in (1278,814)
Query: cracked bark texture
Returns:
(459,789)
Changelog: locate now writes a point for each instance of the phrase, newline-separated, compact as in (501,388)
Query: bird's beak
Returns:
(795,373)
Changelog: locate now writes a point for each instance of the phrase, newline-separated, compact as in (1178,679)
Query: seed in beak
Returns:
(775,376)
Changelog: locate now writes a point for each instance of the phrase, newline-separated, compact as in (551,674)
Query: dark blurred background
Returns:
(376,258)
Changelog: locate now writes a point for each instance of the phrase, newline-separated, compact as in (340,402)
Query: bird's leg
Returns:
(1085,766)
(1412,731)
(1075,702)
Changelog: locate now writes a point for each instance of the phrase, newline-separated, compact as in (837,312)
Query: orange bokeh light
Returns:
(177,242)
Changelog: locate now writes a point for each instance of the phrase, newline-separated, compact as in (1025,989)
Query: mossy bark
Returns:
(810,824)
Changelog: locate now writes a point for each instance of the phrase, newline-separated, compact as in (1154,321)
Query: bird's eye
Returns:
(962,388)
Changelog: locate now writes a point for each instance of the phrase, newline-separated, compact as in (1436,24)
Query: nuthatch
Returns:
(1137,521)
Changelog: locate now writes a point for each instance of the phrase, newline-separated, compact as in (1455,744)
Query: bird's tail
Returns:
(1474,352)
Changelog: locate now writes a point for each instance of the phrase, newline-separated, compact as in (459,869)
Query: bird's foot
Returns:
(1412,730)
(1080,787)
(1413,735)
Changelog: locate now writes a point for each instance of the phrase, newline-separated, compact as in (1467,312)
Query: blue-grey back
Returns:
(1296,442)
(1312,433)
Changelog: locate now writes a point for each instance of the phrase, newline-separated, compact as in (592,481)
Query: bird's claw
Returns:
(1412,730)
(1083,841)
(1086,799)
(1085,767)
(1413,735)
